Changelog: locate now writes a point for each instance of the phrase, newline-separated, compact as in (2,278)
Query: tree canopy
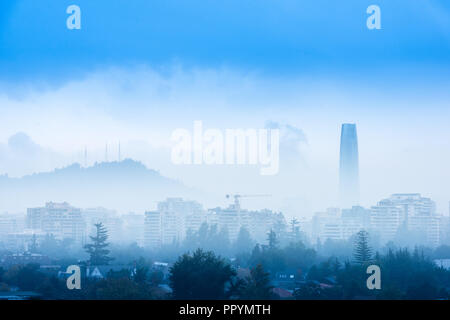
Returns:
(98,252)
(201,275)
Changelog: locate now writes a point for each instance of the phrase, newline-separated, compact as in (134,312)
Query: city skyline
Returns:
(404,219)
(442,208)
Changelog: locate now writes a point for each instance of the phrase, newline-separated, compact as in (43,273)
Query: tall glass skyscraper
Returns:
(349,167)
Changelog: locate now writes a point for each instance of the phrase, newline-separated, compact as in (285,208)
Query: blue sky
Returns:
(281,37)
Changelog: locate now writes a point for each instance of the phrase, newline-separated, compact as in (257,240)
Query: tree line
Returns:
(202,273)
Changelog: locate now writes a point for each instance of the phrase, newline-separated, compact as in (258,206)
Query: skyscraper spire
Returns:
(119,151)
(106,152)
(349,167)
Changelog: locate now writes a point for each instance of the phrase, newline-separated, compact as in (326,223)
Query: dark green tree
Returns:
(298,256)
(362,251)
(141,272)
(156,277)
(313,291)
(309,291)
(257,286)
(26,277)
(97,250)
(201,275)
(221,242)
(121,288)
(244,242)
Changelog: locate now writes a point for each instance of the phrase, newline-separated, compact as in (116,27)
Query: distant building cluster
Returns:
(63,222)
(58,219)
(175,217)
(169,224)
(401,218)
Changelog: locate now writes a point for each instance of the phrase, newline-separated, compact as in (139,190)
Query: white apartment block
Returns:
(327,225)
(336,224)
(152,230)
(409,211)
(21,240)
(171,221)
(354,220)
(445,230)
(10,223)
(233,218)
(260,222)
(59,219)
(385,220)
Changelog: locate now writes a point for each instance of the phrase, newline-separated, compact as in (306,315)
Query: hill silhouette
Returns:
(126,186)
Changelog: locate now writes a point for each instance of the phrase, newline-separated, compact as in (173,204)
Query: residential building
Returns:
(59,219)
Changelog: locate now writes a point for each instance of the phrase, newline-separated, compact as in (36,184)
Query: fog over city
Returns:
(277,149)
(113,148)
(140,108)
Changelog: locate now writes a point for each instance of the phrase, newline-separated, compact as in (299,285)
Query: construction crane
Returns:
(236,197)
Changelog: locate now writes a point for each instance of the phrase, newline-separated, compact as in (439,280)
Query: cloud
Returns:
(289,134)
(292,139)
(21,155)
(21,143)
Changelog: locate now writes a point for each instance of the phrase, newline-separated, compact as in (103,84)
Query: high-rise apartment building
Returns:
(170,222)
(10,223)
(354,220)
(407,216)
(327,225)
(59,219)
(174,217)
(152,229)
(385,220)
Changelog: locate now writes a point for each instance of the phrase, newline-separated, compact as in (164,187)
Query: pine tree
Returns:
(97,250)
(272,239)
(362,252)
(257,285)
